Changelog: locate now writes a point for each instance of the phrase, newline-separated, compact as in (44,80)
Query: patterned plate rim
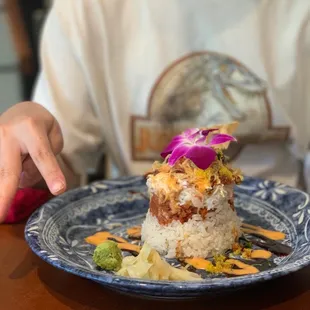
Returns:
(122,283)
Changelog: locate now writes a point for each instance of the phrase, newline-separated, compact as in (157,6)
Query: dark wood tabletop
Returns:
(28,283)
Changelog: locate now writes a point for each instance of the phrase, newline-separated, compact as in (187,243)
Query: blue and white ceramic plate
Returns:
(57,230)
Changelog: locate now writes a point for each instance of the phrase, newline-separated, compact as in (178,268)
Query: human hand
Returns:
(30,139)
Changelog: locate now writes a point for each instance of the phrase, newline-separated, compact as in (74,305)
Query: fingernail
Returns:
(57,186)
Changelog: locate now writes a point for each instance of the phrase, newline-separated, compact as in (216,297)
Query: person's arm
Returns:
(62,89)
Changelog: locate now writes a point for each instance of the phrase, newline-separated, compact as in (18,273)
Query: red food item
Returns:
(164,214)
(25,202)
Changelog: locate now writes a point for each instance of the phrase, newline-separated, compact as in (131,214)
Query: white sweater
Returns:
(123,77)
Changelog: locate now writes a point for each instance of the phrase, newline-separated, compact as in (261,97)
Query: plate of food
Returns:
(191,226)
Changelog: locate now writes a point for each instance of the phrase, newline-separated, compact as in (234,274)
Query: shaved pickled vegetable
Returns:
(149,265)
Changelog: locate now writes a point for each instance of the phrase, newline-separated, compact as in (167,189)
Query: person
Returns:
(122,77)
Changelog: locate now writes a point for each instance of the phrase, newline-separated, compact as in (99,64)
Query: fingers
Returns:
(28,129)
(30,174)
(38,147)
(56,139)
(10,169)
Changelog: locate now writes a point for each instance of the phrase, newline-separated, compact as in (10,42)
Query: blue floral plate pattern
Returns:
(56,232)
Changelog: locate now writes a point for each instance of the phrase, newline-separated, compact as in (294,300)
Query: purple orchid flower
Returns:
(193,145)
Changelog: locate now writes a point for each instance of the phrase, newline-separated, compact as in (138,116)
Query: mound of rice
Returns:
(197,237)
(192,211)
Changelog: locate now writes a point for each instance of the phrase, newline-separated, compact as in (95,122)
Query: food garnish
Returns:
(198,263)
(271,245)
(134,232)
(108,256)
(222,265)
(122,244)
(251,229)
(243,269)
(260,254)
(246,253)
(102,236)
(133,248)
(219,265)
(198,145)
(237,248)
(149,265)
(248,245)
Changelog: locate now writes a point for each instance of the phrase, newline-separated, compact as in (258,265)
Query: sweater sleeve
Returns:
(62,88)
(26,201)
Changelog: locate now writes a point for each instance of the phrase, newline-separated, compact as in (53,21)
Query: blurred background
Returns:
(20,29)
(20,24)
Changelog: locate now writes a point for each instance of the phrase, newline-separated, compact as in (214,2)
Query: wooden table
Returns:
(28,283)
